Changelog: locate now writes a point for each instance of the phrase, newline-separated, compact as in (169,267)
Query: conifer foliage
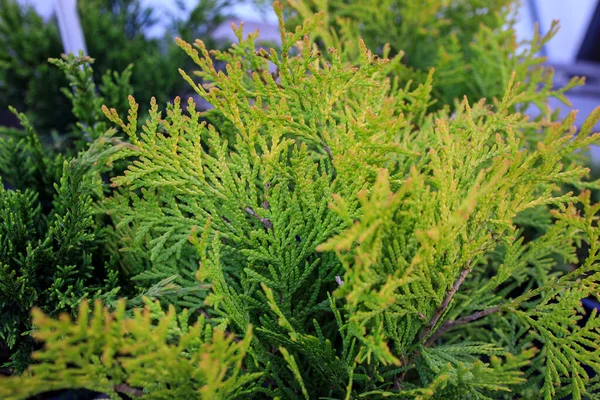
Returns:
(466,41)
(51,253)
(358,242)
(113,353)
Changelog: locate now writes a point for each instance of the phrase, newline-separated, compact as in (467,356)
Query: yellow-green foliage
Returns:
(470,43)
(378,248)
(114,353)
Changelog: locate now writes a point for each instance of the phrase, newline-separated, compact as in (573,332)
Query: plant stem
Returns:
(436,317)
(446,302)
(265,221)
(125,388)
(450,324)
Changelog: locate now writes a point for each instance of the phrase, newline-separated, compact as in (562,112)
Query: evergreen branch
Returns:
(161,352)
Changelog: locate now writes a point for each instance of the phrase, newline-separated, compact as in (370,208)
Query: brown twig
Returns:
(397,382)
(436,317)
(125,388)
(328,151)
(446,302)
(464,320)
(265,221)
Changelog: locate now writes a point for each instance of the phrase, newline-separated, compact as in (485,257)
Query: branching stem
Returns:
(265,221)
(446,302)
(125,388)
(435,318)
(469,318)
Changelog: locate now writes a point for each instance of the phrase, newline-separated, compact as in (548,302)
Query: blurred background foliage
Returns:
(115,34)
(445,36)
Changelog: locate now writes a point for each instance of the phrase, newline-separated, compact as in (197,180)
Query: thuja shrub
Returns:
(466,41)
(361,244)
(53,246)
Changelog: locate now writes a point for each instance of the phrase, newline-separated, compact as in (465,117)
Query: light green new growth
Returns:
(377,247)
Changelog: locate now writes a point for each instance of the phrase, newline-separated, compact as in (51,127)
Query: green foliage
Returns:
(115,35)
(26,79)
(48,258)
(469,43)
(51,244)
(378,246)
(114,353)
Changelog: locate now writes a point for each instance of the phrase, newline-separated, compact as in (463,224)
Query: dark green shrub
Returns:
(27,81)
(53,250)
